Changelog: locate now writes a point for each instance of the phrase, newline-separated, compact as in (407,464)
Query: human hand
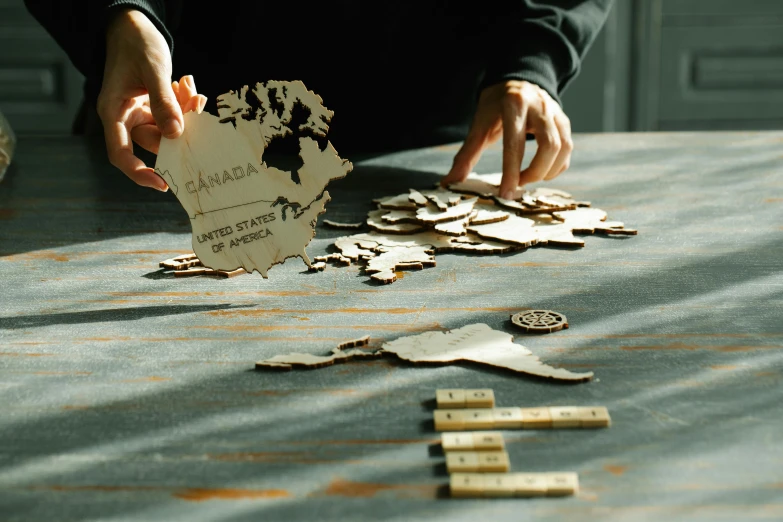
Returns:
(514,109)
(138,101)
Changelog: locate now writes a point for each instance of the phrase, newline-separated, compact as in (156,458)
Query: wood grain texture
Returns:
(127,395)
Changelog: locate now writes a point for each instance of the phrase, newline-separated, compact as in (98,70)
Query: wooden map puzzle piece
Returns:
(399,202)
(434,215)
(484,214)
(335,224)
(384,265)
(591,220)
(376,222)
(399,216)
(244,212)
(515,229)
(476,343)
(453,228)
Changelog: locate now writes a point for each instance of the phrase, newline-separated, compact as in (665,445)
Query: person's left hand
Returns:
(514,109)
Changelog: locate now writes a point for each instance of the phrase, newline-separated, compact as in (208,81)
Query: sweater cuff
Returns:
(154,10)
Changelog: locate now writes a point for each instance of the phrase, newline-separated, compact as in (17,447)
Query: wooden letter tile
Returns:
(594,417)
(488,440)
(536,418)
(449,420)
(530,484)
(466,484)
(479,399)
(499,485)
(466,461)
(480,419)
(493,461)
(457,441)
(562,484)
(507,418)
(564,416)
(450,398)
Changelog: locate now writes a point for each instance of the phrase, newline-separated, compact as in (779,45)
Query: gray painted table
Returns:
(127,394)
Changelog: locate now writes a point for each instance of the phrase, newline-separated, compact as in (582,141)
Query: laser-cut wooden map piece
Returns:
(399,216)
(440,197)
(591,220)
(453,228)
(390,259)
(335,224)
(474,343)
(180,262)
(483,185)
(526,209)
(540,321)
(417,198)
(375,221)
(355,248)
(485,214)
(398,202)
(429,214)
(361,341)
(245,212)
(319,262)
(309,361)
(476,245)
(515,229)
(557,234)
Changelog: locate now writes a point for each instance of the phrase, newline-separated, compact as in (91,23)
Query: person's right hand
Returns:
(138,101)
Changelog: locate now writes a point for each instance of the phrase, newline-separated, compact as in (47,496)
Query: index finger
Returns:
(119,148)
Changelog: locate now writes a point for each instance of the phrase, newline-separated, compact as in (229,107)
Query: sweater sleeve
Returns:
(79,26)
(542,42)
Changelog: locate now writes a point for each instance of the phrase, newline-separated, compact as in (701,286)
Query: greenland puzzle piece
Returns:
(244,212)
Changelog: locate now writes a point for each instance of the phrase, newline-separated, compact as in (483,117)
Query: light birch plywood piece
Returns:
(391,259)
(507,418)
(355,248)
(456,441)
(398,202)
(245,213)
(562,484)
(591,220)
(375,221)
(333,258)
(515,229)
(418,199)
(485,214)
(536,418)
(355,343)
(498,485)
(454,228)
(441,198)
(483,185)
(335,224)
(431,214)
(524,209)
(539,321)
(399,216)
(310,361)
(478,419)
(477,343)
(468,441)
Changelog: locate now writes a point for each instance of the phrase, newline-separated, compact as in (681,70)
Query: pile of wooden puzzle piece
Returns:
(477,461)
(407,230)
(188,265)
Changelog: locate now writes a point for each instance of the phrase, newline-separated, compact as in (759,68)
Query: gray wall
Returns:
(657,65)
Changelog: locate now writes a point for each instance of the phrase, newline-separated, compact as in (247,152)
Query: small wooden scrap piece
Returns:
(182,262)
(515,229)
(375,221)
(335,224)
(383,266)
(434,215)
(453,228)
(539,321)
(355,343)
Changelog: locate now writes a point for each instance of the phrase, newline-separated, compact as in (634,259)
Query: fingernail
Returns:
(508,194)
(163,187)
(172,128)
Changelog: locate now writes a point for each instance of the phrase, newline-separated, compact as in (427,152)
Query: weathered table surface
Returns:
(128,394)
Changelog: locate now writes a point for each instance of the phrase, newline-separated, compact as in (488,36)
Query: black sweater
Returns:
(396,75)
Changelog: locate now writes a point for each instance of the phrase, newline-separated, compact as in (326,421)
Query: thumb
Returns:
(164,106)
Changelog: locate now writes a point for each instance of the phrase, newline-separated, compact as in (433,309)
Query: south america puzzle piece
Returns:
(244,212)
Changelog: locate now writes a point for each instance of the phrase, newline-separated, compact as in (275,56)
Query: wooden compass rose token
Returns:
(540,321)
